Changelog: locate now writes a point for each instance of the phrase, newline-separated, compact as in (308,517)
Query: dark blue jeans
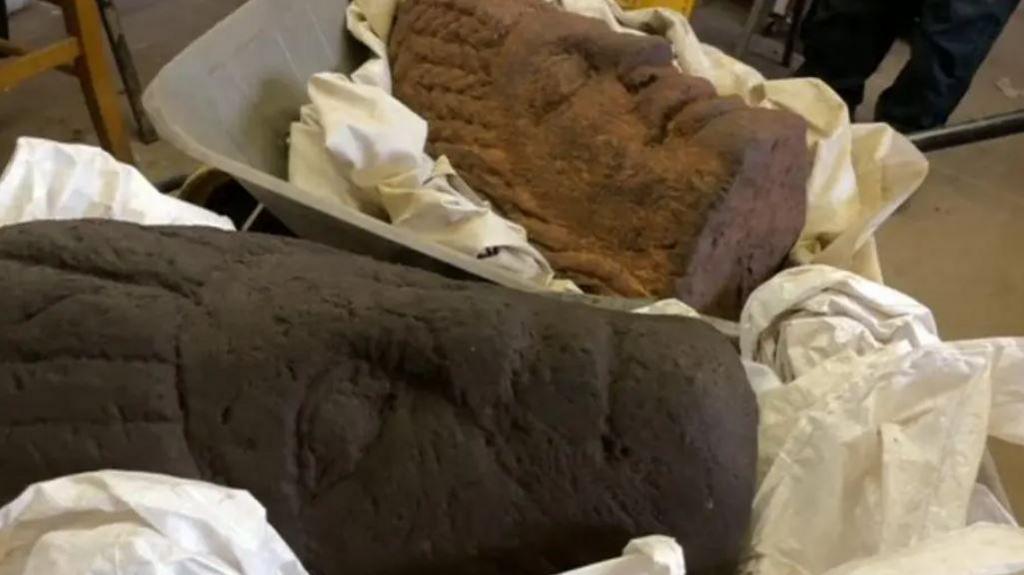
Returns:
(846,40)
(4,32)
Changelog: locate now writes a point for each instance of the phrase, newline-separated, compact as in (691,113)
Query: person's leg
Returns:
(5,33)
(948,46)
(845,41)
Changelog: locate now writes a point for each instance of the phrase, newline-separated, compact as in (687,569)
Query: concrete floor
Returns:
(955,246)
(968,213)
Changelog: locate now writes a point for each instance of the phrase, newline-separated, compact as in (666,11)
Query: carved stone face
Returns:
(633,178)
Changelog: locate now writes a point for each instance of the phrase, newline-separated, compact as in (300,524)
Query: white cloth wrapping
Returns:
(356,137)
(861,173)
(654,555)
(985,507)
(872,431)
(807,315)
(128,523)
(121,523)
(47,180)
(976,550)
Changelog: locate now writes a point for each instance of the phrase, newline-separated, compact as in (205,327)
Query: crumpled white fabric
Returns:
(985,507)
(653,555)
(356,137)
(861,173)
(47,180)
(977,550)
(664,554)
(872,432)
(357,145)
(869,456)
(668,307)
(116,522)
(809,314)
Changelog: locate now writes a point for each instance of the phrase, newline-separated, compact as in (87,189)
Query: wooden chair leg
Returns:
(126,66)
(82,19)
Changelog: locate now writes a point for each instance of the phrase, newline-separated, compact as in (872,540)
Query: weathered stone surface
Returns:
(631,177)
(390,420)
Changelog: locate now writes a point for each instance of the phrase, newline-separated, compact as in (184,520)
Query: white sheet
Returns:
(976,550)
(872,431)
(654,555)
(122,523)
(807,315)
(47,180)
(128,523)
(356,138)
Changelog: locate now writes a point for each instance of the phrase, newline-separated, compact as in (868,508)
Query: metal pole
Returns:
(799,7)
(969,132)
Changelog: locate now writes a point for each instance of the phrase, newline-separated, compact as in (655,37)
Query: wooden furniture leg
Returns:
(8,48)
(17,70)
(126,67)
(82,19)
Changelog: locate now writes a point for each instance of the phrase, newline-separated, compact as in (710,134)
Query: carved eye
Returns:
(562,75)
(637,79)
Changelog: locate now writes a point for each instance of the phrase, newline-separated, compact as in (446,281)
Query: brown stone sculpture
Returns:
(393,422)
(631,177)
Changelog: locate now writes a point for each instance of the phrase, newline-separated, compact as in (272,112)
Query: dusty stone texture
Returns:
(391,421)
(632,178)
